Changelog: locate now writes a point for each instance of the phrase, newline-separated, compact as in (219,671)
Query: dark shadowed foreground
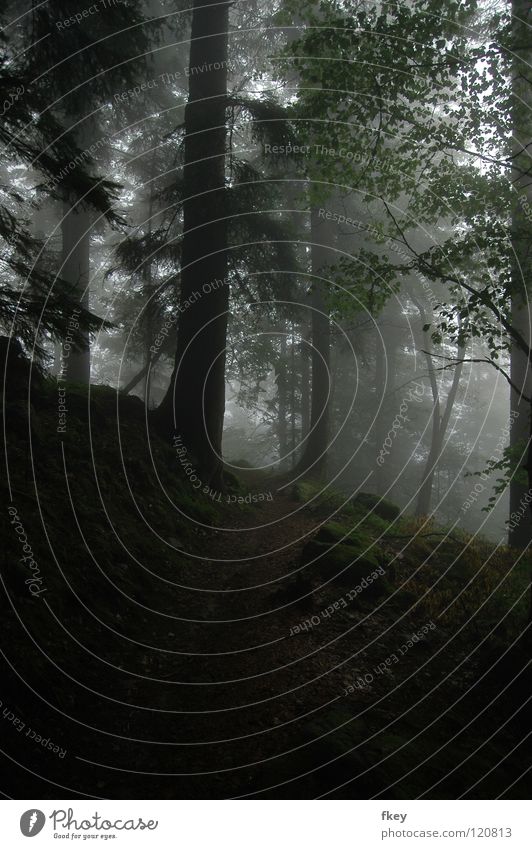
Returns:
(179,644)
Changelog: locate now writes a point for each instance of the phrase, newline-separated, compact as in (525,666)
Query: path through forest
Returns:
(213,689)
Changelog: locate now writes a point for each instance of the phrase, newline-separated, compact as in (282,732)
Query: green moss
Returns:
(317,495)
(351,559)
(371,522)
(334,532)
(381,507)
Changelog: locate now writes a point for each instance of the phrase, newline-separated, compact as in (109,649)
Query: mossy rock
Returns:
(383,508)
(316,495)
(334,532)
(304,490)
(351,560)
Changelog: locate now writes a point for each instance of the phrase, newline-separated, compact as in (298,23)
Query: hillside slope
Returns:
(164,641)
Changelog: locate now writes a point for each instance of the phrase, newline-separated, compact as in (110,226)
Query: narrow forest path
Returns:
(251,710)
(264,713)
(250,684)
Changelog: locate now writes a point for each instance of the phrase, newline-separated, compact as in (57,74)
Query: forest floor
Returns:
(182,651)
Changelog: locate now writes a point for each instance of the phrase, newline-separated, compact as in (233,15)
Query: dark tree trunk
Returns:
(314,458)
(282,406)
(195,401)
(147,277)
(293,410)
(387,337)
(305,390)
(424,498)
(440,420)
(520,531)
(382,422)
(142,374)
(75,269)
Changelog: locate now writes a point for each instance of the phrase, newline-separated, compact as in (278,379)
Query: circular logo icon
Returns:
(32,822)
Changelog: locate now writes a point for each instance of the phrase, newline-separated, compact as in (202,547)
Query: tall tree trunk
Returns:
(282,406)
(424,496)
(520,532)
(440,420)
(40,226)
(293,410)
(147,277)
(440,423)
(140,375)
(388,337)
(314,458)
(381,417)
(305,389)
(75,269)
(195,401)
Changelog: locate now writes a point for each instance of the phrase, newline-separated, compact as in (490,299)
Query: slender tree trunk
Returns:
(75,269)
(424,497)
(293,410)
(147,276)
(314,458)
(147,375)
(140,375)
(195,401)
(520,532)
(282,406)
(58,359)
(40,223)
(76,227)
(380,417)
(440,421)
(439,429)
(388,339)
(305,390)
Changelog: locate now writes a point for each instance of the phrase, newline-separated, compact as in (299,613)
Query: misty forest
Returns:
(266,347)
